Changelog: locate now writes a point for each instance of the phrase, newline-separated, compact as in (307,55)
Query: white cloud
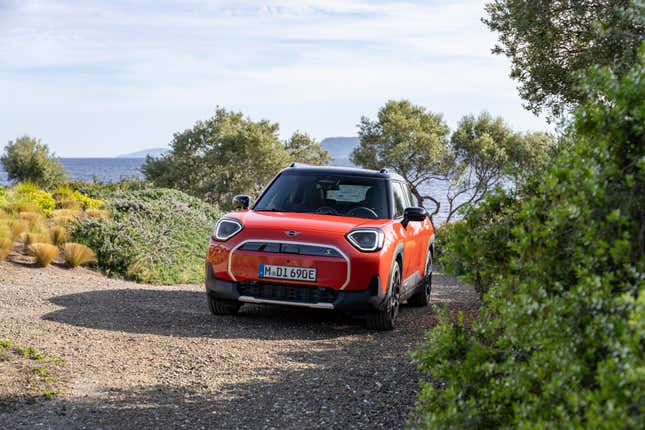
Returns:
(79,72)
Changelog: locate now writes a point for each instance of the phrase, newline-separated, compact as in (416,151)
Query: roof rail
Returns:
(296,164)
(384,171)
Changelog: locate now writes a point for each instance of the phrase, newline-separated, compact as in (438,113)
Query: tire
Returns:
(223,307)
(422,298)
(385,318)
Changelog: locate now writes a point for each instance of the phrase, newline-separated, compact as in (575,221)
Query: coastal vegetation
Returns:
(151,235)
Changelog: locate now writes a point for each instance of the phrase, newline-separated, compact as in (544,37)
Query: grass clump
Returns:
(5,247)
(97,213)
(152,235)
(29,352)
(5,343)
(58,235)
(77,254)
(44,253)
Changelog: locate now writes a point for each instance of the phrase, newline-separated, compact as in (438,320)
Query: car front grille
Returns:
(289,293)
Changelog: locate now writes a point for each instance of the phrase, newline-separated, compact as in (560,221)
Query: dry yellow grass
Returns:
(31,238)
(97,213)
(73,213)
(19,207)
(62,221)
(44,253)
(76,254)
(58,235)
(32,218)
(5,247)
(18,227)
(71,204)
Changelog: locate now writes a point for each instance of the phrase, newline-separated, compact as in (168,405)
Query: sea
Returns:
(114,169)
(101,169)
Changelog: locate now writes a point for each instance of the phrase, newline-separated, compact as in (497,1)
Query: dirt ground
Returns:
(138,356)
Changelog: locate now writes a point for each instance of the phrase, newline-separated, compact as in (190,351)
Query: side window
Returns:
(400,200)
(411,200)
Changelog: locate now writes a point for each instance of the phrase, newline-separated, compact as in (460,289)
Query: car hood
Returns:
(284,221)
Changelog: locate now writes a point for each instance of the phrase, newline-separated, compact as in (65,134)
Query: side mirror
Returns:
(413,214)
(241,202)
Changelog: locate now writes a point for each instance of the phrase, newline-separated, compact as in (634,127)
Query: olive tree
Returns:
(482,153)
(550,42)
(27,159)
(220,157)
(305,149)
(488,154)
(411,140)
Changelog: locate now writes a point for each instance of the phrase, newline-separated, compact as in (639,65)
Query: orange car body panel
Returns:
(351,272)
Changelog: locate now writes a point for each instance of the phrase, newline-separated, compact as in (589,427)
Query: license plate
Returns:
(287,272)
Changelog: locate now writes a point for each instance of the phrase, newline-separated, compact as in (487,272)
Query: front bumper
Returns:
(363,301)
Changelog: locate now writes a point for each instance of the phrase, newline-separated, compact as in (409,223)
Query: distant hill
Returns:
(154,152)
(340,149)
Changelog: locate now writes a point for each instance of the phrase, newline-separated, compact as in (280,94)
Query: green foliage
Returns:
(560,342)
(5,344)
(29,352)
(409,139)
(551,42)
(28,160)
(481,154)
(29,193)
(489,153)
(302,148)
(155,236)
(220,157)
(99,190)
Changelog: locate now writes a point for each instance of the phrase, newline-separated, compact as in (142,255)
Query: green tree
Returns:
(409,139)
(225,155)
(559,342)
(305,149)
(489,153)
(551,42)
(27,159)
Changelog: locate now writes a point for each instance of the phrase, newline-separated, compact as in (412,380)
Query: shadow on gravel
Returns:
(185,313)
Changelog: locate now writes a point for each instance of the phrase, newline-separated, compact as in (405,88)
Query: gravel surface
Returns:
(139,356)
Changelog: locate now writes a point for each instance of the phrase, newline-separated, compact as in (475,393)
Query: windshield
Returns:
(355,196)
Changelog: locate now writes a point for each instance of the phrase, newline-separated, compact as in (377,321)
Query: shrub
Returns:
(44,253)
(70,204)
(27,159)
(560,341)
(31,194)
(58,235)
(157,236)
(76,254)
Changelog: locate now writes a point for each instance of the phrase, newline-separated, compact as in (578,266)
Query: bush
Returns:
(27,196)
(28,160)
(156,236)
(561,340)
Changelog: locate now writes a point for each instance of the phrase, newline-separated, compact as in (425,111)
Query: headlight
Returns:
(226,228)
(366,239)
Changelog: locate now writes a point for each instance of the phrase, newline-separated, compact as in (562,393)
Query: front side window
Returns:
(343,195)
(400,199)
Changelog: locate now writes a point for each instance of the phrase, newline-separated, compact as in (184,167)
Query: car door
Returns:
(409,235)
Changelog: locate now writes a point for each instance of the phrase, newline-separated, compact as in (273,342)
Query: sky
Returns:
(107,77)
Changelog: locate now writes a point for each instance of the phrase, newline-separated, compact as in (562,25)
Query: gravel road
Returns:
(140,356)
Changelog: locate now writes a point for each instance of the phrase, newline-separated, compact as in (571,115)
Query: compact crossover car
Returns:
(335,238)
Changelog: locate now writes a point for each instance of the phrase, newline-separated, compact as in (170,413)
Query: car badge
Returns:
(292,233)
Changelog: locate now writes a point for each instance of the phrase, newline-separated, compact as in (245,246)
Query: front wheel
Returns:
(422,298)
(223,307)
(386,317)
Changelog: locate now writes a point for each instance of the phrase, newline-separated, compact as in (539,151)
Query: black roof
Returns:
(337,170)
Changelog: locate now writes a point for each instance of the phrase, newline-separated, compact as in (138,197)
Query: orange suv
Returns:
(324,237)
